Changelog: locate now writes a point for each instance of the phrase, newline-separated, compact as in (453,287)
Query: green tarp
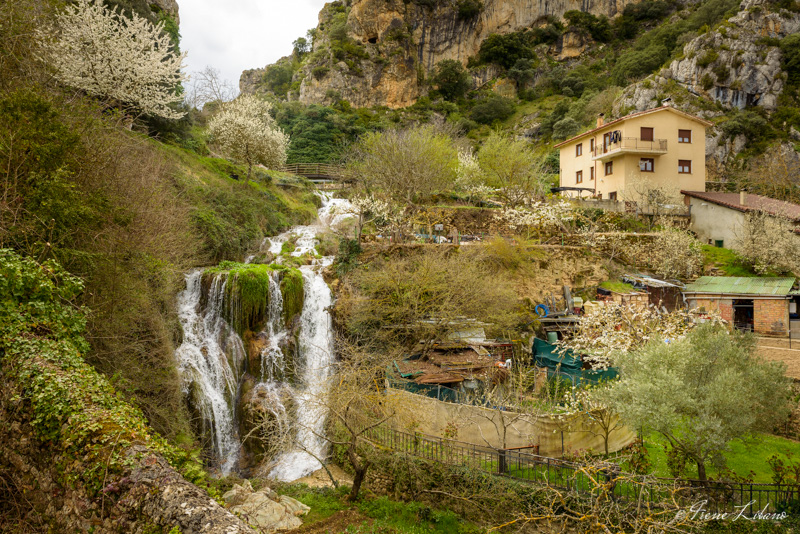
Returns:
(545,355)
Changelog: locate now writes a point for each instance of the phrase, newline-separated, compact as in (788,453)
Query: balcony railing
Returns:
(630,145)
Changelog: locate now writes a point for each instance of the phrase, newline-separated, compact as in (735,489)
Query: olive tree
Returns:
(407,164)
(129,61)
(700,392)
(246,132)
(512,168)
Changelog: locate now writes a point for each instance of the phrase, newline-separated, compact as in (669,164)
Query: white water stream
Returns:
(212,355)
(210,359)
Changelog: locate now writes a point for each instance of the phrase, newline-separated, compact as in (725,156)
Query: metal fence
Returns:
(607,478)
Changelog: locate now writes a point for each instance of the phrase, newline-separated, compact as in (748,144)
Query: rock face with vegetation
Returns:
(378,53)
(84,459)
(738,64)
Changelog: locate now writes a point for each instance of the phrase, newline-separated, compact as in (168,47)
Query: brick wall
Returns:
(724,306)
(771,317)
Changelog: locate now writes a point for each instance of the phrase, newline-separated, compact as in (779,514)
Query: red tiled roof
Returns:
(636,114)
(752,203)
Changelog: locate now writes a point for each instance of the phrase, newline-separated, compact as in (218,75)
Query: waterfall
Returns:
(212,356)
(210,359)
(316,351)
(272,357)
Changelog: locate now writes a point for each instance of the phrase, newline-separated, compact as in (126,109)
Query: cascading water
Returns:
(316,351)
(212,355)
(315,348)
(210,358)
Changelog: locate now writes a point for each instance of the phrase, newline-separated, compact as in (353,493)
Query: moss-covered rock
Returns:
(293,294)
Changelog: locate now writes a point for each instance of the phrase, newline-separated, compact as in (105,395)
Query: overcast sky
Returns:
(235,35)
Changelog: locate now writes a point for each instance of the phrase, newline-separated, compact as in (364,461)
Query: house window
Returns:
(647,134)
(609,167)
(579,177)
(591,145)
(612,196)
(684,136)
(646,164)
(684,166)
(579,149)
(591,173)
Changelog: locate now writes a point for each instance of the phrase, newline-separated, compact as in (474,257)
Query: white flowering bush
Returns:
(245,131)
(470,178)
(128,61)
(614,328)
(541,217)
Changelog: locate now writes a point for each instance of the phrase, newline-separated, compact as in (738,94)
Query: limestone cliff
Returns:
(397,43)
(737,65)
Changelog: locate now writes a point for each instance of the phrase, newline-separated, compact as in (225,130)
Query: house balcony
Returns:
(630,145)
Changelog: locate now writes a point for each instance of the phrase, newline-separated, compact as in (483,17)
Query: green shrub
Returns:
(598,27)
(707,81)
(494,108)
(451,79)
(320,71)
(506,50)
(722,72)
(469,9)
(564,128)
(707,59)
(790,46)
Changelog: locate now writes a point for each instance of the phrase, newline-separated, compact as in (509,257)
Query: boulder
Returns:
(264,509)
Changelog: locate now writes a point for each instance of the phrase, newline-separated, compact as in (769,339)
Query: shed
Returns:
(756,304)
(660,292)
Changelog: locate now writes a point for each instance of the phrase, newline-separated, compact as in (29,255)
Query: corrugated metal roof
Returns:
(741,285)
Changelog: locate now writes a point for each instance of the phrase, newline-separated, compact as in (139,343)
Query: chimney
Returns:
(601,119)
(742,198)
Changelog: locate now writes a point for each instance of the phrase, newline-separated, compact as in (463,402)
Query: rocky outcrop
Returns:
(737,65)
(401,42)
(264,509)
(168,6)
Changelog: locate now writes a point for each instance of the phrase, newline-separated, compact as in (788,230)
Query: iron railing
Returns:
(712,496)
(655,146)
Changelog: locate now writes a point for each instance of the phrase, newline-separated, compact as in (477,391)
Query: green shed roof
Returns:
(735,285)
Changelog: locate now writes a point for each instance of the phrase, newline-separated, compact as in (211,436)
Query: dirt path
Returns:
(778,350)
(336,523)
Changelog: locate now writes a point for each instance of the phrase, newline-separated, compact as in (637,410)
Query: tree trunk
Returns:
(249,172)
(357,481)
(701,471)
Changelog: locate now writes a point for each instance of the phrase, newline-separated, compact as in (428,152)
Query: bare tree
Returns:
(768,243)
(208,86)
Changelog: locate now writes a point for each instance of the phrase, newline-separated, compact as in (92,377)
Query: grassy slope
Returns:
(743,457)
(375,514)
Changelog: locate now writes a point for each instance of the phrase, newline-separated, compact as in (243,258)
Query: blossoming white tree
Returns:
(540,217)
(614,329)
(128,61)
(246,132)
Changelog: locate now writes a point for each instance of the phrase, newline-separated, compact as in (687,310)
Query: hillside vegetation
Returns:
(125,213)
(537,90)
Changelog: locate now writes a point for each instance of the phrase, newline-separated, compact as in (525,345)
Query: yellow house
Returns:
(661,148)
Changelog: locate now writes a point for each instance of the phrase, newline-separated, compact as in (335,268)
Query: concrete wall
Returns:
(713,222)
(484,427)
(665,125)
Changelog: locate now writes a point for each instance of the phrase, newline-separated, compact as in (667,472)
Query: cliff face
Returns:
(737,65)
(402,42)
